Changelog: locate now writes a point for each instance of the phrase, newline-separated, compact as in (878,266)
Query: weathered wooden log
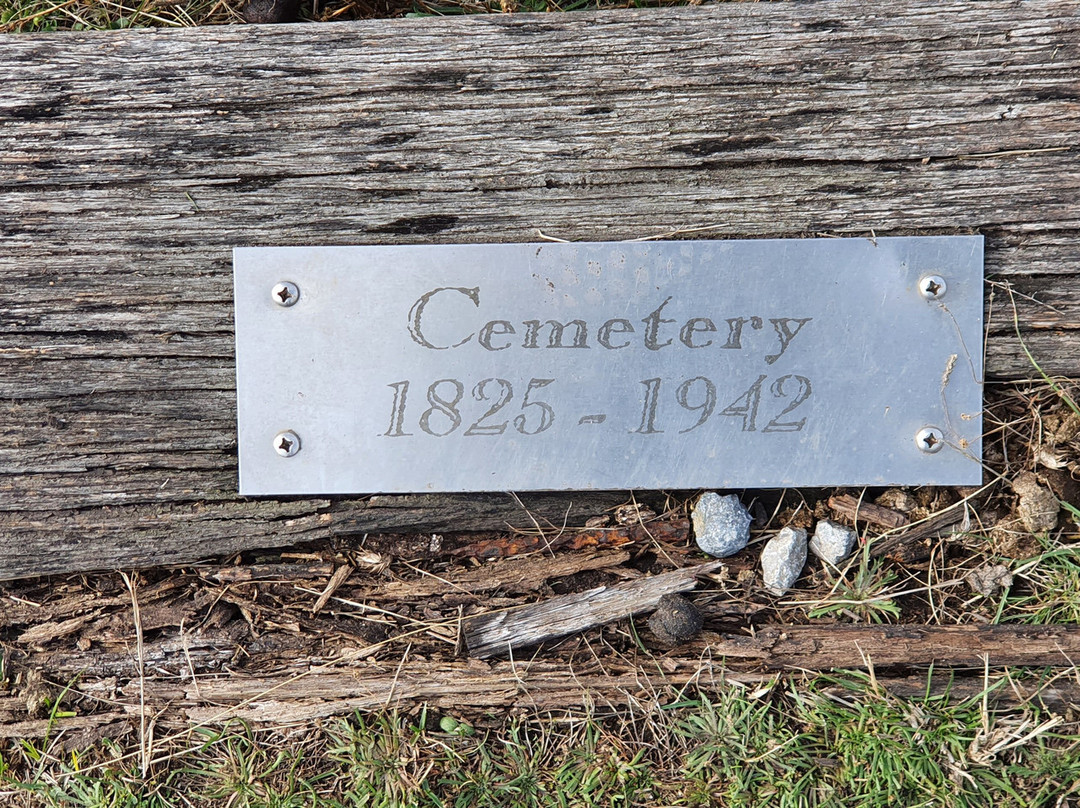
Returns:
(533,687)
(133,161)
(304,693)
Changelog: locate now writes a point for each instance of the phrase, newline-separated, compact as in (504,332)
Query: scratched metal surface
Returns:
(707,364)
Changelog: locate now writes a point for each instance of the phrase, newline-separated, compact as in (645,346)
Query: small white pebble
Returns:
(721,524)
(783,559)
(832,543)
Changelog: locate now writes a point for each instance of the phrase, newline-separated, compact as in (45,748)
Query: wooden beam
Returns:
(531,687)
(131,163)
(304,693)
(151,534)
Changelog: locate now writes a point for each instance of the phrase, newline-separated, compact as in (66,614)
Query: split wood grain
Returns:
(303,693)
(131,163)
(524,686)
(152,534)
(540,685)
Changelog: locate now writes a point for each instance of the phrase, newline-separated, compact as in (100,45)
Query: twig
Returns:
(876,598)
(397,675)
(341,574)
(357,605)
(144,752)
(187,656)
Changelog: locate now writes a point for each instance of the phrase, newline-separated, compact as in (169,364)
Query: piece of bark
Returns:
(496,633)
(840,646)
(912,545)
(670,531)
(515,575)
(263,572)
(851,508)
(341,574)
(42,633)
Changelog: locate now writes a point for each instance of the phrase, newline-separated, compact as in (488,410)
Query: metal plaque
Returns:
(680,364)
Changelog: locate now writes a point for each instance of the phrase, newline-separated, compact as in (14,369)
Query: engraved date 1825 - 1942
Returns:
(696,398)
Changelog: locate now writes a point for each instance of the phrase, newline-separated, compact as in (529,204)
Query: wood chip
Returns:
(852,509)
(341,574)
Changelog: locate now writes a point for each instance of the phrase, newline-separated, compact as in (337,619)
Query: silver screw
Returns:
(930,439)
(932,287)
(285,294)
(286,443)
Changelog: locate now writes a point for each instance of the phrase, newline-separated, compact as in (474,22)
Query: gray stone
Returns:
(989,580)
(783,559)
(721,524)
(832,543)
(1038,507)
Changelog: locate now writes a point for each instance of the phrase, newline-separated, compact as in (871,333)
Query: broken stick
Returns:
(912,545)
(488,635)
(855,509)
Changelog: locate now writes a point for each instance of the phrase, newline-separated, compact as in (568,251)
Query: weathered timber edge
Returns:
(132,162)
(302,691)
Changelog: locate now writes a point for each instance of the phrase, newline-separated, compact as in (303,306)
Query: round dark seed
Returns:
(676,620)
(270,11)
